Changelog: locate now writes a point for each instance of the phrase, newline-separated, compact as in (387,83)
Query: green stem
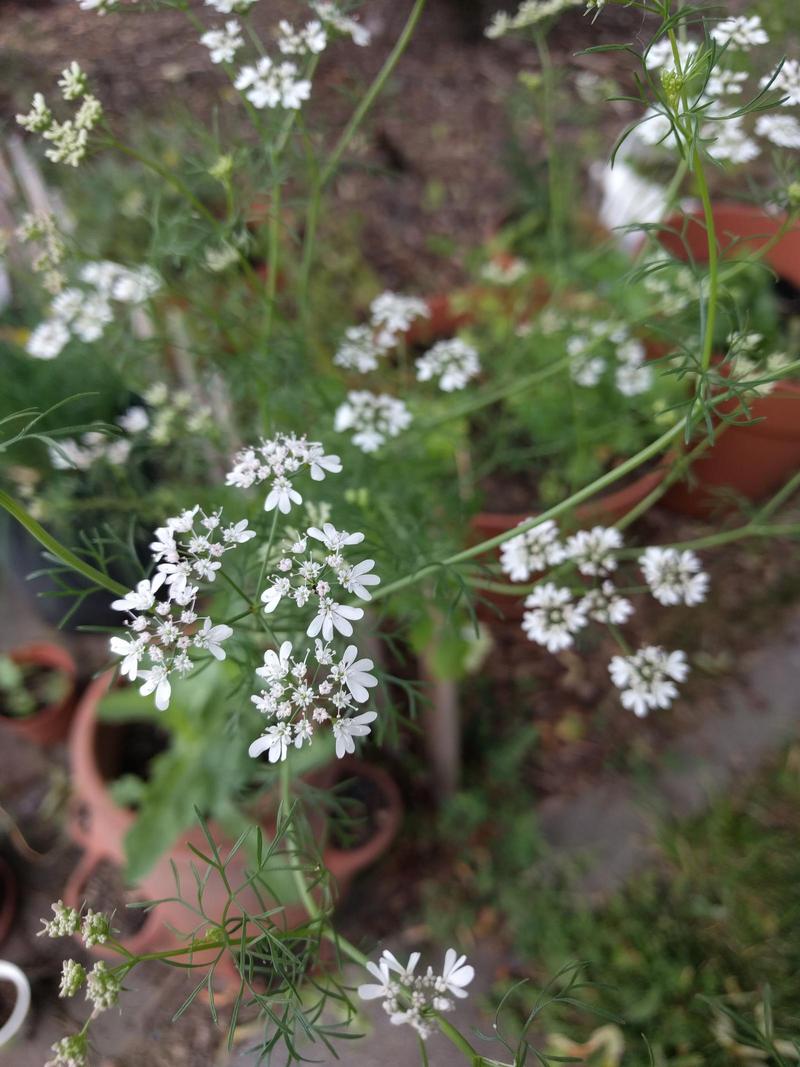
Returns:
(306,898)
(371,94)
(273,256)
(588,491)
(329,168)
(55,548)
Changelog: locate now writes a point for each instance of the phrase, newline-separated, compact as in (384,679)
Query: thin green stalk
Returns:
(273,256)
(588,491)
(366,102)
(55,548)
(306,898)
(329,168)
(554,185)
(165,173)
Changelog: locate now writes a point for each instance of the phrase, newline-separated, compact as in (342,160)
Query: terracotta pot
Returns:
(50,724)
(754,460)
(99,825)
(8,899)
(450,312)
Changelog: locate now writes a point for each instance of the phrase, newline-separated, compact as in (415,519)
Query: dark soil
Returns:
(105,891)
(428,179)
(129,748)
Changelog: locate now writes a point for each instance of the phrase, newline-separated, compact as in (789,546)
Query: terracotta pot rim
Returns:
(50,723)
(344,862)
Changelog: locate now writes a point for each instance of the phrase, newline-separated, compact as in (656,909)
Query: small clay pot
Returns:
(99,825)
(754,459)
(50,724)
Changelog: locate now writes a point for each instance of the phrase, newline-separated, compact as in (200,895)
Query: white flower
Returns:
(66,921)
(73,976)
(647,678)
(230,7)
(632,380)
(456,973)
(414,999)
(276,664)
(72,82)
(505,270)
(224,43)
(275,742)
(134,420)
(355,674)
(606,605)
(379,970)
(332,616)
(359,351)
(453,362)
(355,579)
(552,617)
(210,638)
(741,32)
(95,928)
(133,285)
(593,550)
(89,113)
(311,39)
(92,319)
(270,85)
(143,597)
(374,417)
(279,459)
(333,539)
(69,140)
(655,128)
(661,55)
(102,988)
(132,651)
(282,496)
(531,552)
(71,1051)
(787,81)
(725,83)
(238,533)
(674,577)
(157,680)
(529,13)
(329,13)
(781,130)
(393,315)
(39,118)
(344,730)
(729,142)
(586,369)
(47,340)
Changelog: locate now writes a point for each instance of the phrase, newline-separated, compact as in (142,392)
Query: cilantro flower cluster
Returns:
(278,460)
(413,999)
(302,694)
(84,311)
(69,140)
(103,985)
(309,576)
(596,345)
(278,83)
(555,614)
(374,418)
(725,132)
(164,625)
